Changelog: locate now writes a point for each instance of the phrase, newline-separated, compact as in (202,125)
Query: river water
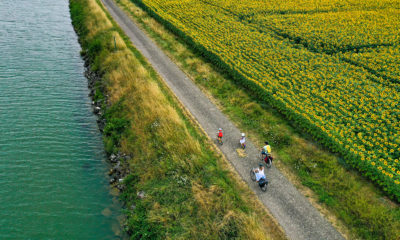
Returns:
(53,181)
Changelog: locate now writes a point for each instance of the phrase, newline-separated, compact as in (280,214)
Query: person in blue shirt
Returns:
(260,176)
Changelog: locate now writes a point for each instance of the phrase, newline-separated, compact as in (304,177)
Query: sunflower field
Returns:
(330,66)
(381,60)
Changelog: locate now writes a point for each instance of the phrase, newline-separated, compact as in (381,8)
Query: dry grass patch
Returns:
(98,20)
(119,42)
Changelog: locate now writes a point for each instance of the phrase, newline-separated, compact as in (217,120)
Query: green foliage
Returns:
(116,125)
(140,227)
(98,95)
(138,224)
(229,230)
(95,47)
(78,18)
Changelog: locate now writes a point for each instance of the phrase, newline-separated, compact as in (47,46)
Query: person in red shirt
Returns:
(220,135)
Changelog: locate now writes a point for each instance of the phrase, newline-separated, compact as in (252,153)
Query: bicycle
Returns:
(267,158)
(262,183)
(219,140)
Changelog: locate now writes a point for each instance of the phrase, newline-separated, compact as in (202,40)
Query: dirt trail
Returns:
(295,214)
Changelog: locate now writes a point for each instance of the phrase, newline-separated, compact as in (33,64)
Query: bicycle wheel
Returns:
(252,175)
(268,162)
(264,188)
(264,185)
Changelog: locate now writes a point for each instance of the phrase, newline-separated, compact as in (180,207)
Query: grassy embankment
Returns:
(356,206)
(190,191)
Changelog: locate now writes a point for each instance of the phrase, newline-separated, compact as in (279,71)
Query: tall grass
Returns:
(355,206)
(189,191)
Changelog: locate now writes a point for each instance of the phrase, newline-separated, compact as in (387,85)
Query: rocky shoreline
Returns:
(118,161)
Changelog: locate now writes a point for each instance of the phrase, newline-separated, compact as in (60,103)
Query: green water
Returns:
(53,182)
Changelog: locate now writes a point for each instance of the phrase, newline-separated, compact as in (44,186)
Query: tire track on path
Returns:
(299,219)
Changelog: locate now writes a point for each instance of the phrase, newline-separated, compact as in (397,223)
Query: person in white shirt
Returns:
(260,176)
(243,141)
(261,168)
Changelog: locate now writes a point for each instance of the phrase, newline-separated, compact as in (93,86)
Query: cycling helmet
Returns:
(220,129)
(243,134)
(260,165)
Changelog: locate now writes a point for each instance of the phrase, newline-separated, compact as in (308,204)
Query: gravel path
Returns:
(295,214)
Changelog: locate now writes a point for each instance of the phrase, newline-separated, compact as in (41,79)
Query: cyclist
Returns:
(261,168)
(266,150)
(243,141)
(260,177)
(220,135)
